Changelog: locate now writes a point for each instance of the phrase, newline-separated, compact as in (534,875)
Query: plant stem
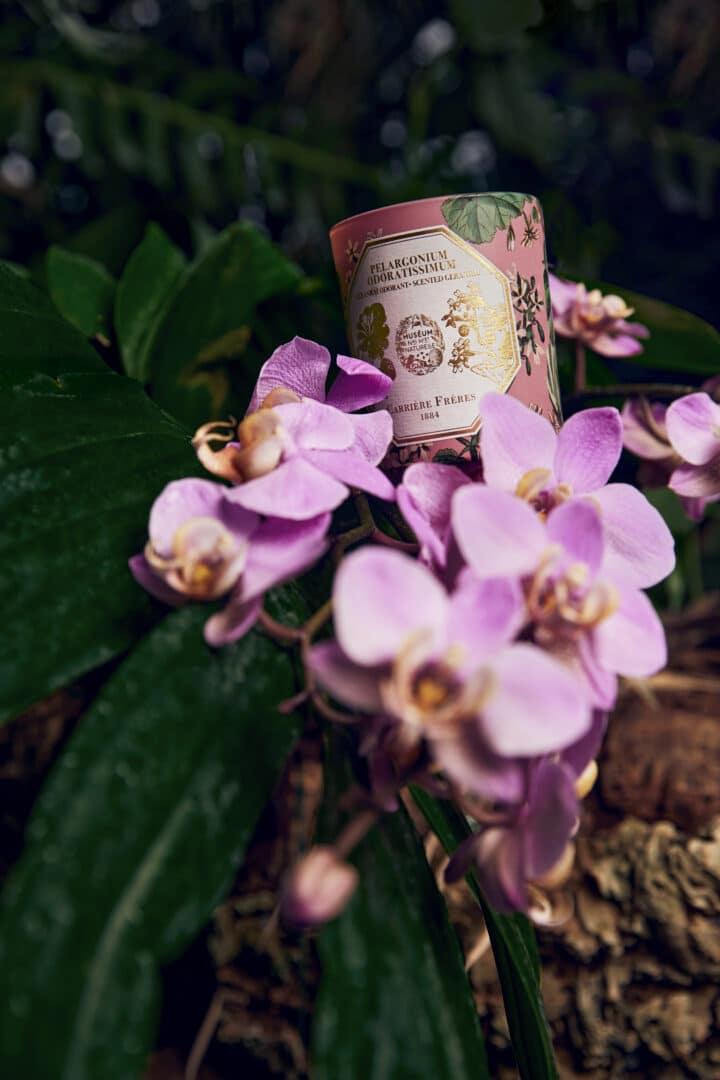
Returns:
(580,367)
(667,390)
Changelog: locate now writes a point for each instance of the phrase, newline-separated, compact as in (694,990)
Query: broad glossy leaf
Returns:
(34,338)
(82,456)
(208,323)
(132,843)
(144,291)
(515,952)
(81,289)
(394,1000)
(478,217)
(679,341)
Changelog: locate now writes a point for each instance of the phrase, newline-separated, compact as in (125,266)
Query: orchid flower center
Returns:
(537,488)
(207,560)
(256,450)
(429,692)
(566,602)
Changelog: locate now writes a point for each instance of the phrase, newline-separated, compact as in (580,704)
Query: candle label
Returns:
(436,315)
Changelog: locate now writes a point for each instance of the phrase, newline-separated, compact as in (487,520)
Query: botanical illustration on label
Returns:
(428,309)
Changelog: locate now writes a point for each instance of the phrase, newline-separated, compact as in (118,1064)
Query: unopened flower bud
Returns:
(317,888)
(586,780)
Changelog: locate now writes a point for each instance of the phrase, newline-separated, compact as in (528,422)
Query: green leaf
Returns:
(206,326)
(82,291)
(496,24)
(515,951)
(133,842)
(478,217)
(394,1000)
(82,457)
(679,341)
(33,337)
(144,291)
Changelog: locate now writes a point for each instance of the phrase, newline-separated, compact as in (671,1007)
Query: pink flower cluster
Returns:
(598,321)
(290,462)
(679,444)
(487,667)
(482,669)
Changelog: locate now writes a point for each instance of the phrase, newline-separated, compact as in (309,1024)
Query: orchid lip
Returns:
(206,561)
(427,692)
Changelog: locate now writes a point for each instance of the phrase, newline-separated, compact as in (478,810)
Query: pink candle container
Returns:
(450,297)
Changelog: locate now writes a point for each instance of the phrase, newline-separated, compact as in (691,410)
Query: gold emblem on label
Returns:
(419,344)
(484,344)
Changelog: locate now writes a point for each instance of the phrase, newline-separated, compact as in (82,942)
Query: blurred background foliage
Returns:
(294,114)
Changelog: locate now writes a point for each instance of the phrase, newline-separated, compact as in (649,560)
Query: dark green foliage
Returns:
(516,957)
(394,1001)
(133,842)
(82,291)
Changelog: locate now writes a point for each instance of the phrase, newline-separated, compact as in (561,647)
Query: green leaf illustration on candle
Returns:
(478,217)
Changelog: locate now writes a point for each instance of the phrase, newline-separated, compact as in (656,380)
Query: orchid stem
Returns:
(354,832)
(288,635)
(661,390)
(580,367)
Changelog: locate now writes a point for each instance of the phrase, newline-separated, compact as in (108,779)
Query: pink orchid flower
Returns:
(425,498)
(598,321)
(645,435)
(522,454)
(577,606)
(693,427)
(509,857)
(442,670)
(296,454)
(203,546)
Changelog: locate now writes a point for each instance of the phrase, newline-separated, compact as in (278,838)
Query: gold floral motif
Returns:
(484,343)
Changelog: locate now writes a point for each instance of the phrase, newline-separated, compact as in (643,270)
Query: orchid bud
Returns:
(317,888)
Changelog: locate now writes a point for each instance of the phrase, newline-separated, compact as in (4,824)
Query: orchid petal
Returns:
(612,344)
(468,762)
(352,469)
(563,294)
(553,814)
(344,680)
(144,574)
(639,547)
(299,365)
(579,755)
(697,481)
(484,616)
(358,385)
(425,498)
(631,641)
(601,684)
(500,870)
(232,623)
(380,599)
(178,502)
(588,449)
(577,527)
(282,549)
(537,705)
(373,434)
(650,443)
(314,426)
(513,440)
(498,534)
(693,425)
(294,490)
